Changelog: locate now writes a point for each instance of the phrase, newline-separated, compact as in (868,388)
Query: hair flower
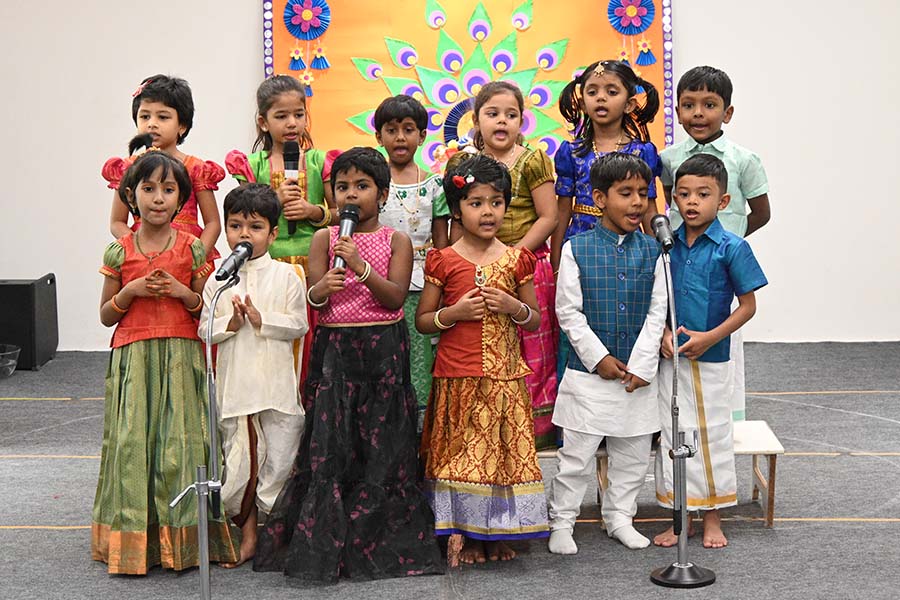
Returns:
(459,181)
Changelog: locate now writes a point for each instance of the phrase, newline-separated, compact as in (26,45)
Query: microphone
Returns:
(663,232)
(349,218)
(233,263)
(291,153)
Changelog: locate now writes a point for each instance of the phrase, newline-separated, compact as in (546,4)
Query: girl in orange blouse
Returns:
(154,427)
(481,468)
(163,108)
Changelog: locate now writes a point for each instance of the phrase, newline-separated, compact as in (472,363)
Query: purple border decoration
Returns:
(668,77)
(268,61)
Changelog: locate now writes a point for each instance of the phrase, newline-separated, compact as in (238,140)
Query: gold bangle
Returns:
(437,320)
(366,272)
(326,217)
(312,302)
(116,307)
(199,304)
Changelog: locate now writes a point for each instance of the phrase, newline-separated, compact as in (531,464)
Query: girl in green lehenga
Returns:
(154,428)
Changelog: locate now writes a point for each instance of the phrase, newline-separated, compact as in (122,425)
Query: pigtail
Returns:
(142,140)
(637,121)
(569,106)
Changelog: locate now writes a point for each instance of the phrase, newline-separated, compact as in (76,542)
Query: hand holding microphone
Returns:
(349,219)
(291,171)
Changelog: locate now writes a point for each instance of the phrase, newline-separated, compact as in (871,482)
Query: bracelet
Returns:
(199,303)
(366,272)
(116,307)
(312,302)
(528,315)
(437,320)
(326,217)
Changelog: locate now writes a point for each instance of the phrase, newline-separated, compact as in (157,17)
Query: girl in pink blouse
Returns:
(352,507)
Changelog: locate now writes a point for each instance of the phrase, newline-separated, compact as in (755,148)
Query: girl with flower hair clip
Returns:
(481,468)
(162,107)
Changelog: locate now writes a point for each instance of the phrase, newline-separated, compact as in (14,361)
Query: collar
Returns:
(611,236)
(258,263)
(719,144)
(715,232)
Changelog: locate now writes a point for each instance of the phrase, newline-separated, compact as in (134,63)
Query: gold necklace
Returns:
(152,256)
(619,144)
(505,160)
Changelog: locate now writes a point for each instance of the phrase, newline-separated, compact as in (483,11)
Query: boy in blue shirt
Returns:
(710,266)
(704,105)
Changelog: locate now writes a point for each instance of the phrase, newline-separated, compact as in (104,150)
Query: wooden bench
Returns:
(755,438)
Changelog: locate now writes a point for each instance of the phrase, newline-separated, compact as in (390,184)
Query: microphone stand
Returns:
(208,490)
(682,573)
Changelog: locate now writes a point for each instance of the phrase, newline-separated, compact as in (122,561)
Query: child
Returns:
(154,427)
(528,223)
(704,105)
(602,106)
(710,266)
(352,507)
(307,200)
(163,107)
(481,468)
(416,206)
(255,327)
(611,303)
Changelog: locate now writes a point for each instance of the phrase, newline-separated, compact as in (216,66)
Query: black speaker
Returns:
(28,318)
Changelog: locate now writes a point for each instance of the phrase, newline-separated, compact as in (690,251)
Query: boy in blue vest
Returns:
(611,303)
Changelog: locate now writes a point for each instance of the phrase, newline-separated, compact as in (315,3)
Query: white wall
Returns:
(821,87)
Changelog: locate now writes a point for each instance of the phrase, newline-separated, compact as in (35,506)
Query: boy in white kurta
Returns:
(258,326)
(611,303)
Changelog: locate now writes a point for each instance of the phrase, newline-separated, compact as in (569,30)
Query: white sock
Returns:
(562,542)
(630,537)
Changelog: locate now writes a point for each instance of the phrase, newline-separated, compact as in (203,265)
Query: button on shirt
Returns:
(746,177)
(706,277)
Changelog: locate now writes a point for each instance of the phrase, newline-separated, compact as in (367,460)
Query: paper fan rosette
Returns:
(307,19)
(630,17)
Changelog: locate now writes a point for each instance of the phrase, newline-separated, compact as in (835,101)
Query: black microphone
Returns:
(349,219)
(663,232)
(291,153)
(233,263)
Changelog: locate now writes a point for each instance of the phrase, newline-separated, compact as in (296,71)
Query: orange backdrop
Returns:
(354,53)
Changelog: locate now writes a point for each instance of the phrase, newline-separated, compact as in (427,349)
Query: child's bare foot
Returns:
(472,552)
(247,550)
(248,541)
(667,538)
(454,547)
(499,551)
(713,537)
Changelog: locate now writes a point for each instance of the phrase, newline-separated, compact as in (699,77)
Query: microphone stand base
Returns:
(683,576)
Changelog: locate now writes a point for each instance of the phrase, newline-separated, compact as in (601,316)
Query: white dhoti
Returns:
(736,364)
(268,462)
(704,401)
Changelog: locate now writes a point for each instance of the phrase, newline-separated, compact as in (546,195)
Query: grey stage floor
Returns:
(835,407)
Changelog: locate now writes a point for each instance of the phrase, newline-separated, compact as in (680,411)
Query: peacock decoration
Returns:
(448,88)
